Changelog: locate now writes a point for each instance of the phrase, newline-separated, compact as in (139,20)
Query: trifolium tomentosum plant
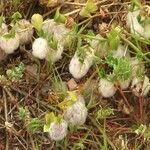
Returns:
(56,126)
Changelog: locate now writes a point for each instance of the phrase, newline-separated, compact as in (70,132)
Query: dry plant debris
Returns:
(75,74)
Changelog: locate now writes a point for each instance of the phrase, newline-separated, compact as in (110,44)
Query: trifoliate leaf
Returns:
(114,38)
(46,128)
(37,21)
(50,117)
(59,119)
(65,104)
(15,17)
(16,3)
(72,96)
(89,8)
(68,101)
(10,34)
(59,17)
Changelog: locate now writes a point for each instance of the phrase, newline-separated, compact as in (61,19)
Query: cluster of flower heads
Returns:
(75,113)
(54,37)
(138,21)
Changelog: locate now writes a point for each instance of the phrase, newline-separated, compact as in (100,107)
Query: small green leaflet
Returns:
(59,17)
(15,17)
(114,38)
(37,21)
(68,101)
(10,34)
(16,3)
(89,8)
(49,118)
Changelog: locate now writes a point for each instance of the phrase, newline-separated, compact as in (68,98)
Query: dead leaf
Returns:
(72,85)
(123,107)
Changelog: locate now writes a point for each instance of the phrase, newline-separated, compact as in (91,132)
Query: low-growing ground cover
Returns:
(74,75)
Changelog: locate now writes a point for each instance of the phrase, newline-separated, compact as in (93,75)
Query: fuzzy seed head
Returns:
(55,55)
(58,30)
(40,48)
(9,45)
(58,131)
(106,88)
(25,31)
(79,69)
(61,34)
(77,113)
(124,84)
(48,26)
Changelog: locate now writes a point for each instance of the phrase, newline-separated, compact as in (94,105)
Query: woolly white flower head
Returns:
(40,48)
(55,55)
(58,30)
(9,45)
(106,88)
(140,87)
(58,131)
(24,30)
(79,69)
(124,84)
(48,26)
(61,33)
(76,114)
(3,29)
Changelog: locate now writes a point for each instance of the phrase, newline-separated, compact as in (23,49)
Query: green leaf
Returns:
(135,4)
(89,8)
(52,42)
(114,38)
(1,20)
(59,17)
(15,17)
(68,101)
(46,128)
(122,69)
(85,13)
(23,113)
(16,3)
(104,113)
(34,125)
(50,117)
(10,34)
(37,21)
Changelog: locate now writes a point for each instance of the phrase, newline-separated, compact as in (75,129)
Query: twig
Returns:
(6,119)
